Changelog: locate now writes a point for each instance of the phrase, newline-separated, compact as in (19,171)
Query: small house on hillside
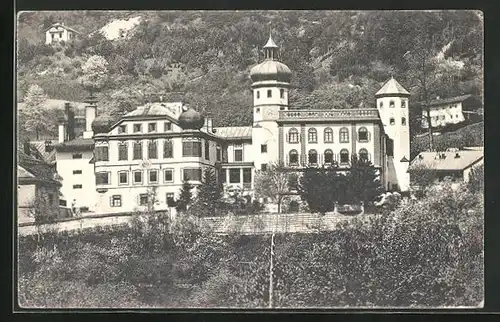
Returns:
(452,110)
(454,163)
(58,32)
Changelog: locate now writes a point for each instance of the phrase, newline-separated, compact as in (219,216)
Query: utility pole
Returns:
(271,266)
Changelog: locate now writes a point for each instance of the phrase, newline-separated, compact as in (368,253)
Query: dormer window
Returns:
(391,104)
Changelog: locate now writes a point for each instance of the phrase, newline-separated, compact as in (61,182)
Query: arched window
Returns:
(363,154)
(293,157)
(152,150)
(293,136)
(344,135)
(381,104)
(328,156)
(391,121)
(328,135)
(391,104)
(344,156)
(403,121)
(312,135)
(168,149)
(363,134)
(122,151)
(282,93)
(313,157)
(403,104)
(137,150)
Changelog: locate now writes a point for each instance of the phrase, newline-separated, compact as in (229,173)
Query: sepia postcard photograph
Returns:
(248,159)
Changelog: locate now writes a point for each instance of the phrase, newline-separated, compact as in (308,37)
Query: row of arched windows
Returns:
(312,156)
(312,135)
(392,121)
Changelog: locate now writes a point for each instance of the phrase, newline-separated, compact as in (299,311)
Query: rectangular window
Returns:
(101,153)
(192,174)
(234,175)
(137,128)
(116,201)
(77,186)
(77,171)
(191,149)
(143,199)
(152,150)
(102,178)
(403,104)
(207,150)
(138,177)
(167,126)
(170,199)
(137,150)
(258,94)
(77,156)
(153,176)
(263,148)
(269,93)
(122,129)
(219,153)
(168,175)
(152,127)
(168,149)
(238,152)
(123,177)
(247,175)
(122,151)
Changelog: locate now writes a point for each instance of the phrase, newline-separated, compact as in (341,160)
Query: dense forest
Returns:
(339,59)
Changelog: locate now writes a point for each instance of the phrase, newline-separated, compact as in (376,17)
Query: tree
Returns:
(363,182)
(185,197)
(476,179)
(209,194)
(95,73)
(421,177)
(273,183)
(33,116)
(321,188)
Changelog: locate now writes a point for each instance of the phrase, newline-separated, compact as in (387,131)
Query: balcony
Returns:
(321,160)
(329,115)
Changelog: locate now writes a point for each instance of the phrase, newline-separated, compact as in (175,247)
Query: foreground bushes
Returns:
(425,253)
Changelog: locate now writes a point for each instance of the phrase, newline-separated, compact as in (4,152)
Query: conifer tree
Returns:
(33,117)
(362,180)
(209,194)
(321,188)
(185,197)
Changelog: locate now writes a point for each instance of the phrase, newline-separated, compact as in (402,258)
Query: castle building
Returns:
(152,150)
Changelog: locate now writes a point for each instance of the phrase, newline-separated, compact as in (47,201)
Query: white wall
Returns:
(445,114)
(56,30)
(85,197)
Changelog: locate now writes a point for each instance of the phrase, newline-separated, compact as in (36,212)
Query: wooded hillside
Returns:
(338,59)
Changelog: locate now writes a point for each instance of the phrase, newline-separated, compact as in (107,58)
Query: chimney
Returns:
(90,115)
(457,155)
(70,125)
(48,146)
(62,129)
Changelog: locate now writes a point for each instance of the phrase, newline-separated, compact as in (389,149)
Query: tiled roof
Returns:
(33,168)
(75,143)
(450,100)
(234,132)
(392,87)
(49,157)
(156,109)
(432,161)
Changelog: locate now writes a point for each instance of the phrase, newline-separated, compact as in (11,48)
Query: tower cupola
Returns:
(271,69)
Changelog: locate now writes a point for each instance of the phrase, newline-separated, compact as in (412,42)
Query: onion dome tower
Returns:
(191,120)
(270,84)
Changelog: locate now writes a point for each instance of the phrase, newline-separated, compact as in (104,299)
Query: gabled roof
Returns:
(30,168)
(234,132)
(449,100)
(392,87)
(58,24)
(48,156)
(448,162)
